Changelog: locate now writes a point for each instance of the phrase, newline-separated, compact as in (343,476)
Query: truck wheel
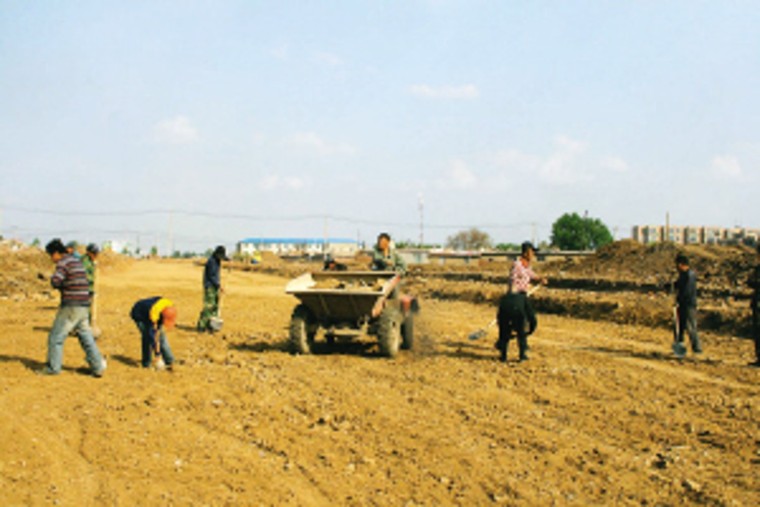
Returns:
(407,332)
(302,330)
(389,332)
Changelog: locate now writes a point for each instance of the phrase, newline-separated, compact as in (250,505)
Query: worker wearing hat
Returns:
(154,316)
(515,311)
(212,288)
(754,283)
(89,261)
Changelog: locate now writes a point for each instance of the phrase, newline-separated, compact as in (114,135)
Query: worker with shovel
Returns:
(212,289)
(154,316)
(515,311)
(89,261)
(754,283)
(71,280)
(686,307)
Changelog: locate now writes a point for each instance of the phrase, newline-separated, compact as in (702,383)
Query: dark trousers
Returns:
(515,317)
(687,322)
(756,332)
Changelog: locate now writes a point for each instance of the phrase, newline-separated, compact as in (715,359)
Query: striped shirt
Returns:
(520,277)
(71,279)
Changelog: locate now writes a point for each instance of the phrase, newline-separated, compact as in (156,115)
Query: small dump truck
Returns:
(348,304)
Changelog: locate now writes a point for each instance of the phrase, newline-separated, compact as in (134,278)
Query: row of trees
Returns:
(569,232)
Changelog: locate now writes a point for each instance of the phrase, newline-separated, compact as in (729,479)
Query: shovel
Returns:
(480,333)
(216,322)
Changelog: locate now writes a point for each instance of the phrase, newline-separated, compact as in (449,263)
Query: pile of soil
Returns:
(25,270)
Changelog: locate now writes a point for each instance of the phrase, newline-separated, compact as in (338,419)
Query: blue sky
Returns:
(296,118)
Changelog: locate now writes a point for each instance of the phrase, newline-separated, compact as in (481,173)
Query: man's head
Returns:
(169,317)
(528,251)
(71,246)
(55,249)
(221,253)
(682,262)
(93,251)
(383,241)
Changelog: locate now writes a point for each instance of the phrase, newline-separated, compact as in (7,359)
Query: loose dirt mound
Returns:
(25,271)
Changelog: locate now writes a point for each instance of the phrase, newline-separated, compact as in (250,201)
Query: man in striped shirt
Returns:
(70,279)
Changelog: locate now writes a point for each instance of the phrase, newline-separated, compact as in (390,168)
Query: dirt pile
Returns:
(25,270)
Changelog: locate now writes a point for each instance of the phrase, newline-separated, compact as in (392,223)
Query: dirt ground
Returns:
(600,415)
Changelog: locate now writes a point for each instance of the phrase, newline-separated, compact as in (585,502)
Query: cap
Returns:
(72,244)
(93,249)
(169,317)
(528,246)
(221,253)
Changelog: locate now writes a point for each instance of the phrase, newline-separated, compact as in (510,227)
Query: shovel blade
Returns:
(477,335)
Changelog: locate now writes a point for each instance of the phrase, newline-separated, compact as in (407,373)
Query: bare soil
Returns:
(601,414)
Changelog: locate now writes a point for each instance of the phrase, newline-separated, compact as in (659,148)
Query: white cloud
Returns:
(329,59)
(463,92)
(459,176)
(177,130)
(726,167)
(561,166)
(312,142)
(273,182)
(614,164)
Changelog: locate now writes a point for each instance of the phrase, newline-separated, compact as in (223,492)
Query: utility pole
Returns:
(170,239)
(421,207)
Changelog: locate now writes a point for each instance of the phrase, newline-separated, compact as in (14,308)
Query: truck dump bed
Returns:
(344,296)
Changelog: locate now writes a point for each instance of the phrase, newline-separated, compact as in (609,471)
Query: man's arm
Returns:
(58,276)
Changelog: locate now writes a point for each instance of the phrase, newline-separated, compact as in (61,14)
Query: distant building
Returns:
(694,235)
(338,247)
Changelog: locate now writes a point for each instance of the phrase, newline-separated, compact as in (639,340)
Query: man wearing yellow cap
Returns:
(154,316)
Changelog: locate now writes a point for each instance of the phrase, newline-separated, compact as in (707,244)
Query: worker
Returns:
(515,308)
(70,279)
(71,249)
(212,288)
(385,257)
(686,304)
(89,261)
(154,316)
(754,283)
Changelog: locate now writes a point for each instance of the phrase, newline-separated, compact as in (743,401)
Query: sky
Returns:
(185,124)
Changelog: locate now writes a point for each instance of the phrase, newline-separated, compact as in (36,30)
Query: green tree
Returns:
(573,232)
(471,239)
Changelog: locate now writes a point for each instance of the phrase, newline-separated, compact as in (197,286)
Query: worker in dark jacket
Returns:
(754,283)
(212,288)
(153,317)
(686,303)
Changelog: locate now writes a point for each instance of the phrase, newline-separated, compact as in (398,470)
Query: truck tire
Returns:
(389,332)
(302,330)
(407,332)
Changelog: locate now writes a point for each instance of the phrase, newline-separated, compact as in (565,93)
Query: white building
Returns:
(337,247)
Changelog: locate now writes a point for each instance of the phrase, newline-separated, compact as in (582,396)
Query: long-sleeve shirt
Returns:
(391,262)
(754,283)
(89,268)
(148,313)
(71,279)
(686,287)
(212,273)
(521,276)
